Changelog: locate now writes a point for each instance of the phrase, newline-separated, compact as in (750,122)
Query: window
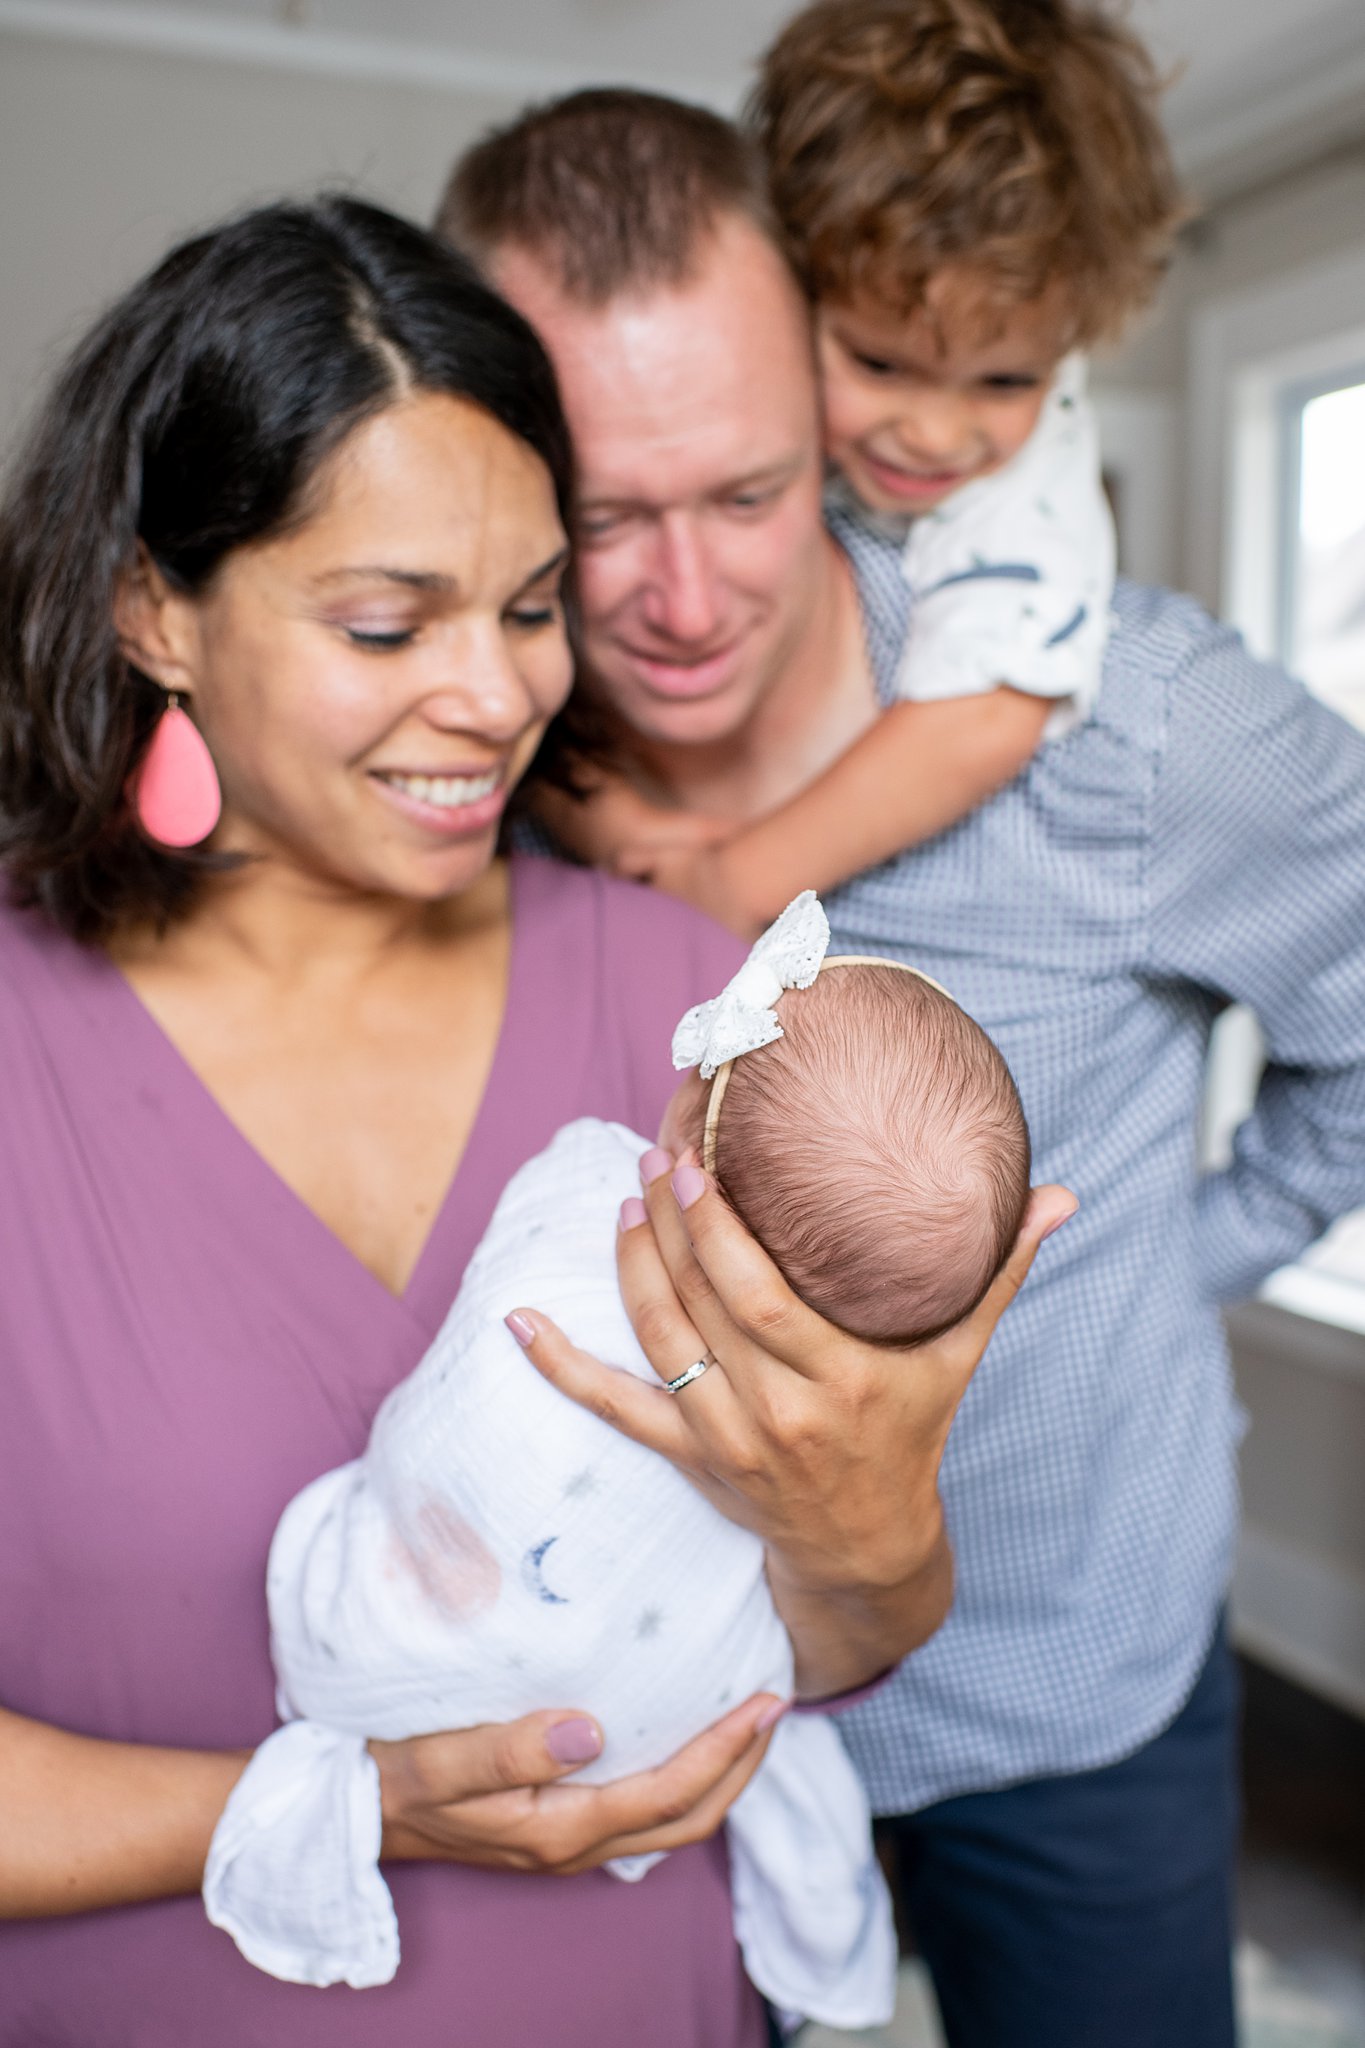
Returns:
(1322,628)
(1321,635)
(1278,546)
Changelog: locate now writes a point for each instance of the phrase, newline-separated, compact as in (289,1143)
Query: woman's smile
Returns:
(453,805)
(434,718)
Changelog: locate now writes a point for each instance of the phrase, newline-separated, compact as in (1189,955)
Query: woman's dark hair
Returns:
(193,419)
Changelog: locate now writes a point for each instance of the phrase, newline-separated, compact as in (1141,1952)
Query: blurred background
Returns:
(1234,434)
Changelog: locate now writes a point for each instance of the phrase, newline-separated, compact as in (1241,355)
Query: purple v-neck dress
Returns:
(182,1346)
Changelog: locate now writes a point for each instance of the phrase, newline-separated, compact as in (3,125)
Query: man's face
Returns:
(916,406)
(695,424)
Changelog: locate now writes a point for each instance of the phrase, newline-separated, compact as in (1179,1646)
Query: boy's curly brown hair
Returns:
(1020,137)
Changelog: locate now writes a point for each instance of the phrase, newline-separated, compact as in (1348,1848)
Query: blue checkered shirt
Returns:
(1199,840)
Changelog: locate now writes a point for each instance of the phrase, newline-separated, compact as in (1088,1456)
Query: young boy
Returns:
(972,191)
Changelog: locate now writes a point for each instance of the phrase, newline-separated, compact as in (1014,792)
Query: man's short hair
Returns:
(615,190)
(1020,137)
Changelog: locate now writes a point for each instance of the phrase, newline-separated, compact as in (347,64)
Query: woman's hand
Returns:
(826,1446)
(86,1823)
(502,1797)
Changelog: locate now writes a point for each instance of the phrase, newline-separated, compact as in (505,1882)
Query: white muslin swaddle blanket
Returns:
(499,1549)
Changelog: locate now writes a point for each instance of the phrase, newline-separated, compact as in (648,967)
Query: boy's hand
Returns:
(697,875)
(614,827)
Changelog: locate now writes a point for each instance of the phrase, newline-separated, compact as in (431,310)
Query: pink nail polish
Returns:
(655,1162)
(633,1213)
(1053,1227)
(770,1716)
(688,1183)
(522,1328)
(573,1742)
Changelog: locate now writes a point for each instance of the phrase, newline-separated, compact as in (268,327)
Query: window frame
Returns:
(1257,357)
(1295,397)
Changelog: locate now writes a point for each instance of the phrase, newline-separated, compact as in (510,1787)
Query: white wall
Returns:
(109,155)
(1295,222)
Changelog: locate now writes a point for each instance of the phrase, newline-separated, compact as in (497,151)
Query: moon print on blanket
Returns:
(533,1574)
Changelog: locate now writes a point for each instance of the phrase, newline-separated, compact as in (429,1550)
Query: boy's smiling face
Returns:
(919,404)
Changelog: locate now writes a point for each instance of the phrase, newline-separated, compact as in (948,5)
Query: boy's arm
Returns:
(919,769)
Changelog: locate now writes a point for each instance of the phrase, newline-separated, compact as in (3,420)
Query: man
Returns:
(1064,1747)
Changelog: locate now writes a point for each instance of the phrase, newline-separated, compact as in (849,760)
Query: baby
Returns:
(498,1547)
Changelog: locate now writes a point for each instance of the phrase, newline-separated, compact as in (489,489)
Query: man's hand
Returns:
(826,1446)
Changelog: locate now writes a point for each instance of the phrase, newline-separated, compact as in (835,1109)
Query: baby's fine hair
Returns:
(878,1151)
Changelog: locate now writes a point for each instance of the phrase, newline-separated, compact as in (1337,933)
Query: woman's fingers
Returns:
(667,1334)
(649,1415)
(466,1763)
(700,1429)
(739,1286)
(687,1798)
(668,1337)
(1048,1209)
(661,1269)
(500,1796)
(725,1280)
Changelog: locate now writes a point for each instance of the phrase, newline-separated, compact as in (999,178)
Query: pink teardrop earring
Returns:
(174,788)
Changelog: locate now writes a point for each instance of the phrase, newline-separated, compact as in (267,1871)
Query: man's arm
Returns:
(1258,894)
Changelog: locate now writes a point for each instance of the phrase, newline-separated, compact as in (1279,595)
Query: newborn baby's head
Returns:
(877,1151)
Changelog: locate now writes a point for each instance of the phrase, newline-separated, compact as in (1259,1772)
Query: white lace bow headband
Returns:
(742,1017)
(712,1036)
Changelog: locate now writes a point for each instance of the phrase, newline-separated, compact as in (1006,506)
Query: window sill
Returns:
(1322,1297)
(1303,1319)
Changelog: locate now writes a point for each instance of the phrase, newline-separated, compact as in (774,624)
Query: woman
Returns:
(308,480)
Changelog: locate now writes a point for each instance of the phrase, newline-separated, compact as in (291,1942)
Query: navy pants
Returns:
(1092,1911)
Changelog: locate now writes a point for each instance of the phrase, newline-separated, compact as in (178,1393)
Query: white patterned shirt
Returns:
(1200,839)
(1012,576)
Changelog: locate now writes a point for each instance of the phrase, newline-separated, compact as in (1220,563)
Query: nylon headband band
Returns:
(721,1079)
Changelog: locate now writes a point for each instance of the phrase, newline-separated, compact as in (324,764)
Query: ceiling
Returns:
(1261,84)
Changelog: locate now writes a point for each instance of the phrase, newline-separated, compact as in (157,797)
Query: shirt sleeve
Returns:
(1013,576)
(1258,897)
(841,1702)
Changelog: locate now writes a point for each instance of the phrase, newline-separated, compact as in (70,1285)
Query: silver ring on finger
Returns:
(685,1379)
